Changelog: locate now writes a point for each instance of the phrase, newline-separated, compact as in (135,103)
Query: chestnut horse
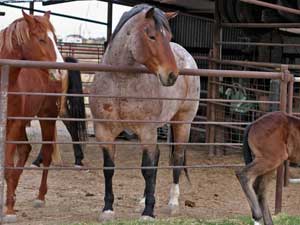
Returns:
(75,108)
(142,37)
(268,142)
(27,38)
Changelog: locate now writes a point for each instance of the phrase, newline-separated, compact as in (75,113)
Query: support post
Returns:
(31,8)
(280,169)
(109,20)
(3,120)
(212,87)
(289,111)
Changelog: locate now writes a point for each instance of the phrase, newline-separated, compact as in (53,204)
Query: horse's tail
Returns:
(75,105)
(248,158)
(172,152)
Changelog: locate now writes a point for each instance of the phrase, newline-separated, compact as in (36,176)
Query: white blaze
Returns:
(55,73)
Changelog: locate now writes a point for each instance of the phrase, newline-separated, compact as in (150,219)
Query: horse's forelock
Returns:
(19,31)
(159,17)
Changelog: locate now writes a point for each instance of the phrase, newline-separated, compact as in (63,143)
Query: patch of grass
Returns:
(281,219)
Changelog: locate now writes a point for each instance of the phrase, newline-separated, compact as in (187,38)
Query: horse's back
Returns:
(269,135)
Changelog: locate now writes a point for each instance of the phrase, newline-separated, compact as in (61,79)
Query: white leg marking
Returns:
(107,215)
(174,195)
(142,201)
(56,74)
(256,222)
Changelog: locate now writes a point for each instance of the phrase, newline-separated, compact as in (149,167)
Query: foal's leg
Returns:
(150,158)
(260,188)
(181,133)
(48,134)
(248,176)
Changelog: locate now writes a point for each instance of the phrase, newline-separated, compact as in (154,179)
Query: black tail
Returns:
(171,140)
(75,105)
(246,148)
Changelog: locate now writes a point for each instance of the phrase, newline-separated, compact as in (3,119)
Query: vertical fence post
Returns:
(3,117)
(290,112)
(212,87)
(280,169)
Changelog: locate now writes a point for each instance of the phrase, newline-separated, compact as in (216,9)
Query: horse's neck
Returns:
(118,54)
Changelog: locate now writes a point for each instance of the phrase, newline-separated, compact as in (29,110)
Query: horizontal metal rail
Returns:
(144,98)
(124,121)
(128,69)
(200,166)
(121,143)
(261,25)
(258,44)
(272,6)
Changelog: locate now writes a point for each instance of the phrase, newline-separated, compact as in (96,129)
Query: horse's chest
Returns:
(131,102)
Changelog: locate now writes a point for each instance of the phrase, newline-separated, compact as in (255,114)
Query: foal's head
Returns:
(149,40)
(30,38)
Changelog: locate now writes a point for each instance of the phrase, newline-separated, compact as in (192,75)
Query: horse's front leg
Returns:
(150,159)
(108,161)
(14,133)
(180,133)
(48,134)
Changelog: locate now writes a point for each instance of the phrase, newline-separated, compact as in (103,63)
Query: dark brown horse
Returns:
(268,142)
(28,38)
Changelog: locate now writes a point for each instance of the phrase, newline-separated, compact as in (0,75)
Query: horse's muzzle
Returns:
(170,81)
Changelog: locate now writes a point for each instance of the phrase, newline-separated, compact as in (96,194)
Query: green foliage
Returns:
(278,220)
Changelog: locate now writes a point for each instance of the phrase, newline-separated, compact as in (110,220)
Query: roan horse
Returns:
(142,37)
(268,142)
(29,38)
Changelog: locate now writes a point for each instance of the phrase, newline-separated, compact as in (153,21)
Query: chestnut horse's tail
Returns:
(246,148)
(75,105)
(172,156)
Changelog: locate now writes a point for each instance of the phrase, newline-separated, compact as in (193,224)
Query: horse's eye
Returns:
(152,38)
(42,40)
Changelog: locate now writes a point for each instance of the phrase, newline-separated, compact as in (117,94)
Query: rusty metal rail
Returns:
(282,75)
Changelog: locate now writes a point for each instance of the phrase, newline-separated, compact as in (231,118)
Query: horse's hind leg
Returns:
(181,133)
(78,153)
(150,158)
(248,176)
(48,134)
(260,187)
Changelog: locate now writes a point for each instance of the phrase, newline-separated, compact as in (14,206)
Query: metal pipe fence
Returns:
(283,76)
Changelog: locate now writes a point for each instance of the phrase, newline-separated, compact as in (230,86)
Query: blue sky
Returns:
(95,10)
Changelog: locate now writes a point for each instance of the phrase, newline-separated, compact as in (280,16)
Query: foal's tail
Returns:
(75,105)
(246,148)
(172,154)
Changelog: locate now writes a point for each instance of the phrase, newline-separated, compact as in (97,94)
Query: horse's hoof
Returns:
(147,218)
(173,209)
(34,165)
(78,166)
(107,215)
(38,203)
(11,218)
(256,222)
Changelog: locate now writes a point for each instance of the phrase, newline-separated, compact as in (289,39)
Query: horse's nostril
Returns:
(172,77)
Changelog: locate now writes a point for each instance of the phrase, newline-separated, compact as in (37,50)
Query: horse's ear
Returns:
(47,14)
(28,18)
(171,15)
(150,13)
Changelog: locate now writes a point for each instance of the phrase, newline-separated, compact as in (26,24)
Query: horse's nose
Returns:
(172,79)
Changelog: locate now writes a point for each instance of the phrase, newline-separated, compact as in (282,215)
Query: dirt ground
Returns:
(77,196)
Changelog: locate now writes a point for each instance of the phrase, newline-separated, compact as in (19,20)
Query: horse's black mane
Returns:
(159,18)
